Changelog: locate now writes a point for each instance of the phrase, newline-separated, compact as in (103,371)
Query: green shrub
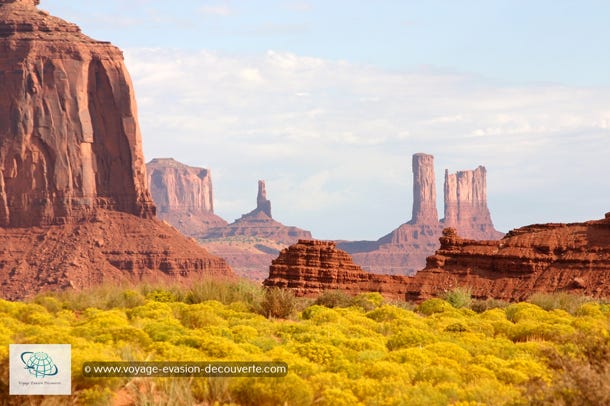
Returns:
(432,306)
(334,298)
(560,300)
(278,303)
(459,297)
(480,306)
(225,292)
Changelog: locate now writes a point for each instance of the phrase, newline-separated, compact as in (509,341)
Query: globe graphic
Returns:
(40,365)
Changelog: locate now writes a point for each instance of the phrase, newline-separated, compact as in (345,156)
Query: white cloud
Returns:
(334,139)
(216,10)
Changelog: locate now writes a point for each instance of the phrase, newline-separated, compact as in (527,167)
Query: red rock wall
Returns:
(70,140)
(537,258)
(70,149)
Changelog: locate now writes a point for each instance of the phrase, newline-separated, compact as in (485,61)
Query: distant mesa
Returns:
(75,208)
(183,195)
(404,250)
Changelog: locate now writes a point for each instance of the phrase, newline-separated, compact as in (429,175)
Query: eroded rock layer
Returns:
(111,247)
(537,258)
(310,267)
(183,195)
(544,258)
(69,134)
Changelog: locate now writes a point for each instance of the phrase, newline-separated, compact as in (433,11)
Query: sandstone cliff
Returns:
(68,123)
(183,195)
(404,250)
(71,165)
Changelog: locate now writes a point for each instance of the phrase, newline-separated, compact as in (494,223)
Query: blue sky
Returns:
(327,100)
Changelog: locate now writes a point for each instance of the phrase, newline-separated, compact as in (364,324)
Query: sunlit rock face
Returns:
(69,134)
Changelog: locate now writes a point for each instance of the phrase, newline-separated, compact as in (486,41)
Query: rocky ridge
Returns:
(541,258)
(537,258)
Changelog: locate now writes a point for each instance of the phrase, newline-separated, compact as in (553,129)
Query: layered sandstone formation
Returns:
(310,267)
(183,195)
(404,250)
(70,155)
(259,223)
(537,258)
(70,134)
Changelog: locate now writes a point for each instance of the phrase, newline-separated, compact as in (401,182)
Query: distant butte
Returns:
(75,209)
(183,195)
(404,250)
(259,223)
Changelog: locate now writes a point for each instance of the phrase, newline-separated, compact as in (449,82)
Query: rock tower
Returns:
(69,135)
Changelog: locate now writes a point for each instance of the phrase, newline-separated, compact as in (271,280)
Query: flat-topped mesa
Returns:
(262,203)
(69,135)
(466,204)
(424,190)
(183,195)
(176,186)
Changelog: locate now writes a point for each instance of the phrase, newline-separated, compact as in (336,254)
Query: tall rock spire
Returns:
(262,203)
(424,190)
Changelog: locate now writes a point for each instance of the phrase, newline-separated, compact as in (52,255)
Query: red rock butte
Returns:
(183,195)
(71,162)
(404,250)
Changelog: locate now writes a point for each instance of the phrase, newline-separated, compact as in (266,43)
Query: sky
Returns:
(328,100)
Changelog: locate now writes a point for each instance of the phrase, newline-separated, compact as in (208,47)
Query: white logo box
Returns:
(40,369)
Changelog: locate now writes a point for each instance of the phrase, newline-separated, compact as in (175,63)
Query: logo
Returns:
(39,364)
(40,369)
